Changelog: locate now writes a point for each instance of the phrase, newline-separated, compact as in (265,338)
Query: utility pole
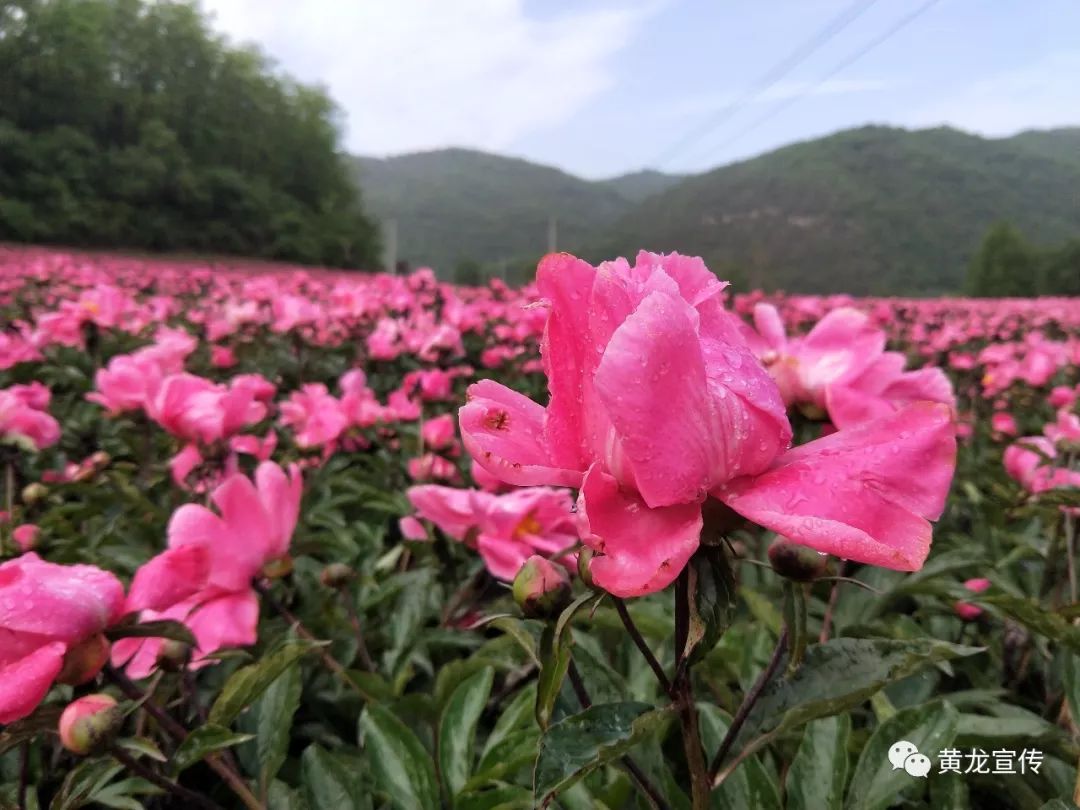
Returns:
(553,234)
(390,249)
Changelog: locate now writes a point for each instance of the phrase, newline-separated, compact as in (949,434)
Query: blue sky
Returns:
(600,88)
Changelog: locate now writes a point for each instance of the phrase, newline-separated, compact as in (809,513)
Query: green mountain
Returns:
(637,186)
(456,205)
(874,210)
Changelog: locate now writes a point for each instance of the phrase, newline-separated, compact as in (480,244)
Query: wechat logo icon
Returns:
(905,755)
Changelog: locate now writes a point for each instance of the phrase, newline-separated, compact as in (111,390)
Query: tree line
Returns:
(1008,266)
(129,123)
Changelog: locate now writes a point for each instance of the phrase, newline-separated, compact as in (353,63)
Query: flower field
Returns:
(280,537)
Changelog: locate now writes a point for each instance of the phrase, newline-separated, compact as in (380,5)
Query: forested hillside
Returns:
(129,124)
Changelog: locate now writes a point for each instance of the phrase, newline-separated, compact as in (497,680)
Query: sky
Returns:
(600,88)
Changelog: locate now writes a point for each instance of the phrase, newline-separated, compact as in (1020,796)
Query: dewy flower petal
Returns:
(504,432)
(25,682)
(642,549)
(864,494)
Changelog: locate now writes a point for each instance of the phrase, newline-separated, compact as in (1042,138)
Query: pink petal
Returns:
(643,549)
(172,576)
(280,495)
(234,560)
(228,621)
(452,510)
(24,683)
(862,494)
(566,282)
(64,602)
(849,406)
(652,371)
(502,557)
(504,432)
(770,326)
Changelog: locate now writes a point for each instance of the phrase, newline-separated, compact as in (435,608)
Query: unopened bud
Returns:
(174,655)
(100,459)
(83,661)
(90,723)
(796,562)
(32,493)
(336,575)
(541,588)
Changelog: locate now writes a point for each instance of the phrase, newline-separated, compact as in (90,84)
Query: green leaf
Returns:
(329,782)
(83,782)
(274,712)
(515,716)
(835,676)
(816,778)
(513,752)
(555,650)
(457,729)
(43,721)
(403,769)
(1035,618)
(501,798)
(248,683)
(517,630)
(876,783)
(751,785)
(203,742)
(174,631)
(577,745)
(143,747)
(712,600)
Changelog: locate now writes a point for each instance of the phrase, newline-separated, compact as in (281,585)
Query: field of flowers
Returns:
(286,538)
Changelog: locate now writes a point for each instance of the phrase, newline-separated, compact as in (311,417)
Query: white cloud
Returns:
(1041,95)
(420,74)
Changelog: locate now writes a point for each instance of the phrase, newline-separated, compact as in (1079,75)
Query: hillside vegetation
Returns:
(872,210)
(129,124)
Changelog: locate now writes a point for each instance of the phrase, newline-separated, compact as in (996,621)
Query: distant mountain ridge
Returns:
(873,210)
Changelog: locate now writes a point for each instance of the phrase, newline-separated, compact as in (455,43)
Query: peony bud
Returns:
(83,661)
(89,724)
(32,493)
(174,655)
(541,588)
(796,562)
(26,536)
(336,575)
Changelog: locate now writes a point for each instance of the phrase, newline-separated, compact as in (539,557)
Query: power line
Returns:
(903,22)
(775,74)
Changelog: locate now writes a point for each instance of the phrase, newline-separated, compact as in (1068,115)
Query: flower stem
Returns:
(795,620)
(743,711)
(188,797)
(179,733)
(331,663)
(635,634)
(683,693)
(656,801)
(358,632)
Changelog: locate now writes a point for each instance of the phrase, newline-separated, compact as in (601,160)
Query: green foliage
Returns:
(126,123)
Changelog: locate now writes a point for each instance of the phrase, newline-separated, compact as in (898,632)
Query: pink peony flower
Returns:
(505,529)
(314,415)
(51,621)
(204,577)
(658,401)
(438,433)
(26,536)
(1004,423)
(23,418)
